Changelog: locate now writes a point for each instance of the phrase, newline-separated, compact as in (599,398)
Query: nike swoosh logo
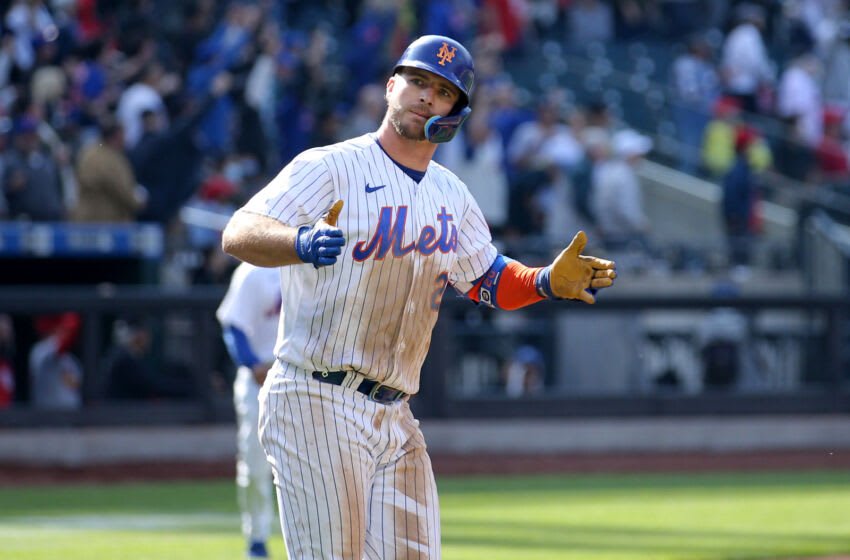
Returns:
(375,188)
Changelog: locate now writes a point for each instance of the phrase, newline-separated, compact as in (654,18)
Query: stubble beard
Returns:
(409,132)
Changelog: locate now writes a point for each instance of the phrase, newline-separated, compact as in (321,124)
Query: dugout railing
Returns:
(601,360)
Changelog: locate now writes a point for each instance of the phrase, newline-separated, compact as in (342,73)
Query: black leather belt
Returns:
(383,394)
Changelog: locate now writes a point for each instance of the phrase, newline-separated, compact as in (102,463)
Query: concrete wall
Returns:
(89,446)
(686,209)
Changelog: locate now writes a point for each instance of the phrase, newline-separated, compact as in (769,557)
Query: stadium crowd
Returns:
(176,112)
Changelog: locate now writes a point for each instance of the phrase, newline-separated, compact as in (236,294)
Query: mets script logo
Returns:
(446,54)
(389,236)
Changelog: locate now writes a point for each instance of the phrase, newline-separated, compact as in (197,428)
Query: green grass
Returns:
(587,517)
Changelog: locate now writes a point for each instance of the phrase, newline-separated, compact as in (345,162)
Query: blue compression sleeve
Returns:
(239,348)
(489,283)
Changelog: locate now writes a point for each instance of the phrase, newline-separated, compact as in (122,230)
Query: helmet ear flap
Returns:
(443,129)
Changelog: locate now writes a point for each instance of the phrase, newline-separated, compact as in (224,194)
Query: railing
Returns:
(606,359)
(826,248)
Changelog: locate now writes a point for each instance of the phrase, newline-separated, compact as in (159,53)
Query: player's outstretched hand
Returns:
(321,244)
(576,276)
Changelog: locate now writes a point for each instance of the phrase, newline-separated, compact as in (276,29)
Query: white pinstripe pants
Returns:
(253,475)
(353,478)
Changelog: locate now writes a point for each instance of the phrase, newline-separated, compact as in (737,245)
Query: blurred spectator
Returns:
(597,148)
(206,213)
(475,156)
(597,114)
(831,155)
(372,39)
(69,32)
(216,267)
(31,177)
(836,85)
(523,374)
(616,199)
(167,161)
(683,17)
(793,157)
(7,59)
(29,21)
(230,48)
(637,18)
(489,67)
(140,22)
(89,21)
(812,23)
(133,371)
(303,90)
(56,375)
(7,351)
(261,80)
(198,18)
(108,191)
(504,21)
(91,89)
(588,21)
(506,114)
(722,337)
(695,87)
(542,152)
(740,192)
(746,68)
(799,99)
(143,96)
(5,139)
(367,114)
(453,18)
(718,145)
(47,84)
(328,127)
(800,109)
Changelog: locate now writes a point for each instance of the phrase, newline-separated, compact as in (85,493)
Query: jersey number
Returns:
(437,296)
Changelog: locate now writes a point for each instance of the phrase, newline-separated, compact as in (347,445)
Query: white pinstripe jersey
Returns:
(374,310)
(252,304)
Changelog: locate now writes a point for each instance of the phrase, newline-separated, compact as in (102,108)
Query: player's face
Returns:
(414,96)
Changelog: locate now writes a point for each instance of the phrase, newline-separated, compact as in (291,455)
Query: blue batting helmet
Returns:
(449,59)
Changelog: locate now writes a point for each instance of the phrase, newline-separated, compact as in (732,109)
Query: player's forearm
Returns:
(260,240)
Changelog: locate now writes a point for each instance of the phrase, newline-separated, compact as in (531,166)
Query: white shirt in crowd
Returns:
(799,95)
(745,63)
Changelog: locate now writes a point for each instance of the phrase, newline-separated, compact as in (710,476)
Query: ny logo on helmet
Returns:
(446,54)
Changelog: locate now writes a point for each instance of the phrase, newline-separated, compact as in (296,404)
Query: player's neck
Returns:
(409,153)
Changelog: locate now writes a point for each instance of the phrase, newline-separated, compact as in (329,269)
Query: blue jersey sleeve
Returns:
(239,348)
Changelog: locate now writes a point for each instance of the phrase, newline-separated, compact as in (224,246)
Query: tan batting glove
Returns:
(333,214)
(576,276)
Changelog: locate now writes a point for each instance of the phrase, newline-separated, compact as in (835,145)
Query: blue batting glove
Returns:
(319,245)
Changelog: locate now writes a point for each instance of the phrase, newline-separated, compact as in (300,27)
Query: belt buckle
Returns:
(373,394)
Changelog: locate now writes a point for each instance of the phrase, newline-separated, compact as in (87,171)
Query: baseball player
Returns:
(249,316)
(369,233)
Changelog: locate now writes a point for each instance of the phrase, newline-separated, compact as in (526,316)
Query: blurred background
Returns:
(702,144)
